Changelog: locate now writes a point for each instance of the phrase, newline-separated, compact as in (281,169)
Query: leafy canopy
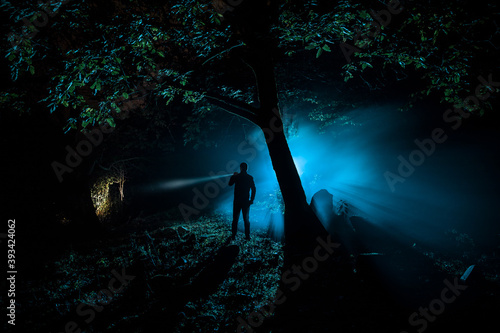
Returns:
(96,59)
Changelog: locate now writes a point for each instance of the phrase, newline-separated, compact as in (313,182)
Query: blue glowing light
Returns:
(176,184)
(350,161)
(300,164)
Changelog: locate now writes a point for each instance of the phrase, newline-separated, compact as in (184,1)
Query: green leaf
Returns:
(326,48)
(116,107)
(111,122)
(125,95)
(320,51)
(32,70)
(365,64)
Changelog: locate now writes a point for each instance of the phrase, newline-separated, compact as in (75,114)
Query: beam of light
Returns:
(176,184)
(450,190)
(300,164)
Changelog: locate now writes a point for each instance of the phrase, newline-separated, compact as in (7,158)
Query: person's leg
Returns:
(245,210)
(236,217)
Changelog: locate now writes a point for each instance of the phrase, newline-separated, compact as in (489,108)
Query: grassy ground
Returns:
(170,261)
(190,277)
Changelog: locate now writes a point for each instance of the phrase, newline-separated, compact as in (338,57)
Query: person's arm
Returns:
(232,179)
(252,187)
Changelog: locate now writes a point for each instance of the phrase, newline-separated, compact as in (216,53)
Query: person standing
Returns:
(243,183)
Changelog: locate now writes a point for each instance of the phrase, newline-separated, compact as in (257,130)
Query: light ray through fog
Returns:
(176,184)
(350,161)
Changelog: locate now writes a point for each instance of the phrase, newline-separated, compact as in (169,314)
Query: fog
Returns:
(442,185)
(420,173)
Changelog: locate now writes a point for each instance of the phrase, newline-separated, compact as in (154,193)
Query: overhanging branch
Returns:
(235,107)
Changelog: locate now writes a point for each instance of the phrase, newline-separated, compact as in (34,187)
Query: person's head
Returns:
(243,167)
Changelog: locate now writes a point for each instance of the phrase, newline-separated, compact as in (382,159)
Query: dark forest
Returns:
(250,166)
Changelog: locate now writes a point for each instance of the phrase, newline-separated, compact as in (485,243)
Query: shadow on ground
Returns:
(376,283)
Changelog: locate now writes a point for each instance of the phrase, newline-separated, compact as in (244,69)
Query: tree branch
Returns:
(263,68)
(225,51)
(235,107)
(120,161)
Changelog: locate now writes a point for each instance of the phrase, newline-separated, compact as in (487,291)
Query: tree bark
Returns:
(252,21)
(302,227)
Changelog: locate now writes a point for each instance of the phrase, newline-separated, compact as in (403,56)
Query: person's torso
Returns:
(242,184)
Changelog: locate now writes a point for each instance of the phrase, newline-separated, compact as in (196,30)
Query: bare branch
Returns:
(235,107)
(120,161)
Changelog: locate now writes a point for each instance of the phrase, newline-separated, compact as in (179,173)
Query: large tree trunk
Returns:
(302,227)
(252,21)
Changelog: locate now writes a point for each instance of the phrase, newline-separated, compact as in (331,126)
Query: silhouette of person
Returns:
(243,183)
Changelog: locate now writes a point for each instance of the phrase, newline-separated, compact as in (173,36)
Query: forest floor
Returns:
(157,275)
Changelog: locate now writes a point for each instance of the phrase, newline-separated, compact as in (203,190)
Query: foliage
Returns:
(104,203)
(115,61)
(198,126)
(463,240)
(154,63)
(324,108)
(100,63)
(445,44)
(274,204)
(14,101)
(174,251)
(462,254)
